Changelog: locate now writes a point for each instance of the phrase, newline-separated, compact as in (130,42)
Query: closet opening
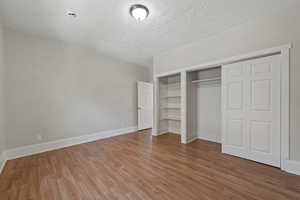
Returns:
(204,118)
(170,105)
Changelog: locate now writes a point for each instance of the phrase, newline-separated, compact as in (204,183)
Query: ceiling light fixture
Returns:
(139,12)
(72,14)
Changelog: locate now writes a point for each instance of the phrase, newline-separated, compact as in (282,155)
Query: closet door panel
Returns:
(235,95)
(263,110)
(261,94)
(251,110)
(235,136)
(234,140)
(260,136)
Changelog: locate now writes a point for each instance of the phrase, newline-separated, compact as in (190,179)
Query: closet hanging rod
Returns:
(206,80)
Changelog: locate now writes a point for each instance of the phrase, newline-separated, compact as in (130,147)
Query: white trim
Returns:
(192,140)
(2,161)
(183,93)
(166,132)
(161,133)
(58,144)
(156,104)
(285,105)
(292,166)
(142,82)
(210,140)
(254,54)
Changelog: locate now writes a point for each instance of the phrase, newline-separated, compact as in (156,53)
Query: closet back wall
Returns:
(259,34)
(206,104)
(58,90)
(209,109)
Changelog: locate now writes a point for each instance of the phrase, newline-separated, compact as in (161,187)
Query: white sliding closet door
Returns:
(251,110)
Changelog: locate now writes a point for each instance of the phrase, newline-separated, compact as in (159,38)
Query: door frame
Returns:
(284,52)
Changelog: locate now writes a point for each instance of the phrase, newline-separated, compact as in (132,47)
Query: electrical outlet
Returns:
(39,137)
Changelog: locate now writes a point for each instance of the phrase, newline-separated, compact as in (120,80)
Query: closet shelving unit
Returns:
(169,104)
(189,104)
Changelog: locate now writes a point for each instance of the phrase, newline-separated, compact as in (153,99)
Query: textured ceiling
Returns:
(107,26)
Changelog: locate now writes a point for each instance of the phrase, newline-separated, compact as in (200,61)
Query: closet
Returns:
(204,105)
(169,104)
(238,104)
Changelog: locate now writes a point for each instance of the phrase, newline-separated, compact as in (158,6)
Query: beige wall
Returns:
(2,138)
(59,90)
(281,28)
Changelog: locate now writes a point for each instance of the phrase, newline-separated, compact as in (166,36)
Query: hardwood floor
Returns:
(137,166)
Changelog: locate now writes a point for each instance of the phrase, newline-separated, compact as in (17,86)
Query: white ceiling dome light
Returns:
(72,14)
(139,12)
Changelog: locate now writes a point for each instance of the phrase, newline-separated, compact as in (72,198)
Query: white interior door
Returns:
(251,110)
(145,105)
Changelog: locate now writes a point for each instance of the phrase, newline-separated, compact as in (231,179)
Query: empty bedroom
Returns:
(149,99)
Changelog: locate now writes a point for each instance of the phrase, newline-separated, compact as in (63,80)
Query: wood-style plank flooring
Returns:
(137,166)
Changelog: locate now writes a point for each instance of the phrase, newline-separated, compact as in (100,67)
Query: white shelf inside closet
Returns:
(170,97)
(171,107)
(174,118)
(170,104)
(207,80)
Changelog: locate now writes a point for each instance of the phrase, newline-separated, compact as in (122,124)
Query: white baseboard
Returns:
(162,133)
(191,140)
(209,139)
(292,166)
(2,161)
(166,132)
(58,144)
